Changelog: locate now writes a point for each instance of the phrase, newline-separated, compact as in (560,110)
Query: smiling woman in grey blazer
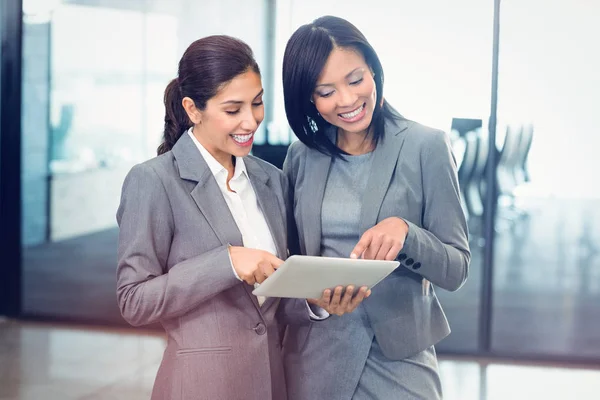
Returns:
(184,217)
(368,183)
(200,225)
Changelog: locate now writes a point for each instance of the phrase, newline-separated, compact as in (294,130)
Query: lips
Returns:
(354,115)
(243,139)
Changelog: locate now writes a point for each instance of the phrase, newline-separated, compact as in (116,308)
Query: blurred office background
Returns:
(82,84)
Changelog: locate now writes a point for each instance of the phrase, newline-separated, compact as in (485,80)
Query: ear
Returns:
(194,114)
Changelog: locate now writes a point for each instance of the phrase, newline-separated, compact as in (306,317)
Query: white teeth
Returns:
(242,138)
(353,113)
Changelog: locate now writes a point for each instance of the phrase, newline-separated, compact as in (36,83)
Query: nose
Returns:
(249,121)
(346,97)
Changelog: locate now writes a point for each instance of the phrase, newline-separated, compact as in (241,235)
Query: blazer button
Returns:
(402,257)
(260,329)
(417,265)
(410,261)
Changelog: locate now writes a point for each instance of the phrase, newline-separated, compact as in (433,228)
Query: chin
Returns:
(359,128)
(241,152)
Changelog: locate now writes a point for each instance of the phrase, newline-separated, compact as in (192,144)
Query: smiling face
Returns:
(345,94)
(227,125)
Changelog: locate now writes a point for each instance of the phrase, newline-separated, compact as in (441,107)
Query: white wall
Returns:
(549,74)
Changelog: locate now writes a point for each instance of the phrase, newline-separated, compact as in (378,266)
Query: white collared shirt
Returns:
(242,203)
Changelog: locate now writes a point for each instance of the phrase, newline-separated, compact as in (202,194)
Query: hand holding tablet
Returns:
(341,300)
(307,277)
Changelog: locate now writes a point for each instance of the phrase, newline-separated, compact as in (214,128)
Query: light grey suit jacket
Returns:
(174,268)
(413,177)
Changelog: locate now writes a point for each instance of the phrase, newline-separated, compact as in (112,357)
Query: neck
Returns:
(355,143)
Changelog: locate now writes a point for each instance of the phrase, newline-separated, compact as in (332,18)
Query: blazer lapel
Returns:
(208,197)
(267,200)
(317,170)
(385,158)
(206,194)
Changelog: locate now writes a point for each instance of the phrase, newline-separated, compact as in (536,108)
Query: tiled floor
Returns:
(38,361)
(45,362)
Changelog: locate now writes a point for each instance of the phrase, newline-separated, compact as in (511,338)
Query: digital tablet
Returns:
(306,277)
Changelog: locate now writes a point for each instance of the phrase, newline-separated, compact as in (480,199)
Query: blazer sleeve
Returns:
(439,250)
(146,292)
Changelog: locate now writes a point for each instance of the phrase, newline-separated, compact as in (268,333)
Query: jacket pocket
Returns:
(205,350)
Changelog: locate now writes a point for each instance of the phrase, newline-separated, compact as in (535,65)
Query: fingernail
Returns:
(368,292)
(353,256)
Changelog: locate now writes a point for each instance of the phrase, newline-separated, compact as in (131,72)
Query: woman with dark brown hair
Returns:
(368,183)
(200,225)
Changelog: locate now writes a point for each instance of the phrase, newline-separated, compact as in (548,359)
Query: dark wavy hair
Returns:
(206,65)
(305,56)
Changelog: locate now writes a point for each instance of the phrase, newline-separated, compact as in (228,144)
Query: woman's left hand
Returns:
(341,301)
(383,241)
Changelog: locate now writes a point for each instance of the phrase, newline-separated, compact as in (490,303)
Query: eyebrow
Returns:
(346,77)
(241,102)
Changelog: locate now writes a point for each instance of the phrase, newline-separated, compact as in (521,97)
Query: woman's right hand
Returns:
(253,265)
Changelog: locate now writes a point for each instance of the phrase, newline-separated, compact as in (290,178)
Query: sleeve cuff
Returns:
(406,256)
(410,236)
(231,263)
(316,313)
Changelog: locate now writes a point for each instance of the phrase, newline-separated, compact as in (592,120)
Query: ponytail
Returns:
(176,119)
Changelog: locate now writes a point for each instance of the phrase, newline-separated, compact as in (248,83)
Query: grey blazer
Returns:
(174,268)
(413,177)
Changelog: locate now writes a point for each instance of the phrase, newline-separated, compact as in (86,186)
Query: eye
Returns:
(258,104)
(356,82)
(325,94)
(232,112)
